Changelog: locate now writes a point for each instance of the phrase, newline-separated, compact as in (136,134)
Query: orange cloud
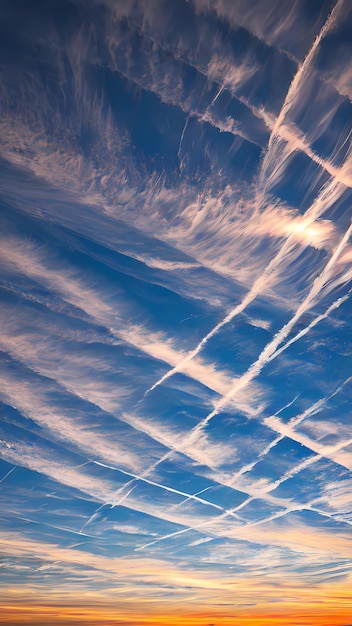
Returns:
(310,615)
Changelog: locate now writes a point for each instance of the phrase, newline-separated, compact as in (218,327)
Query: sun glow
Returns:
(317,233)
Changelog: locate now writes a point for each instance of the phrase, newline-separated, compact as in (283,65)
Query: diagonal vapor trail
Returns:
(313,409)
(319,453)
(228,125)
(335,305)
(267,354)
(237,310)
(256,367)
(300,76)
(135,478)
(261,281)
(8,474)
(273,349)
(143,478)
(276,127)
(273,345)
(304,68)
(294,506)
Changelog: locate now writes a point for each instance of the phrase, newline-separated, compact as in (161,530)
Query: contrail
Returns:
(261,281)
(276,127)
(319,453)
(311,325)
(135,477)
(295,421)
(268,354)
(182,136)
(300,75)
(92,517)
(257,288)
(239,308)
(272,346)
(8,473)
(295,507)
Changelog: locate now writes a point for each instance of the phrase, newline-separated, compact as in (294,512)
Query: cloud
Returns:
(97,302)
(275,23)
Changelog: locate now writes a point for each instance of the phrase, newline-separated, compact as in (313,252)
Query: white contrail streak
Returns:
(300,76)
(311,325)
(295,421)
(272,346)
(269,351)
(315,210)
(135,477)
(237,310)
(288,133)
(182,136)
(8,474)
(291,509)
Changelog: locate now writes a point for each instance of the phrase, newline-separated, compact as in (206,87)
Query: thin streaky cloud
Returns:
(286,131)
(69,431)
(95,302)
(300,76)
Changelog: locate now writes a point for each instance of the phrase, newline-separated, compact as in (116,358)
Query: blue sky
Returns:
(176,263)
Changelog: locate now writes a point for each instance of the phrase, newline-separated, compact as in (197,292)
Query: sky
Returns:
(175,312)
